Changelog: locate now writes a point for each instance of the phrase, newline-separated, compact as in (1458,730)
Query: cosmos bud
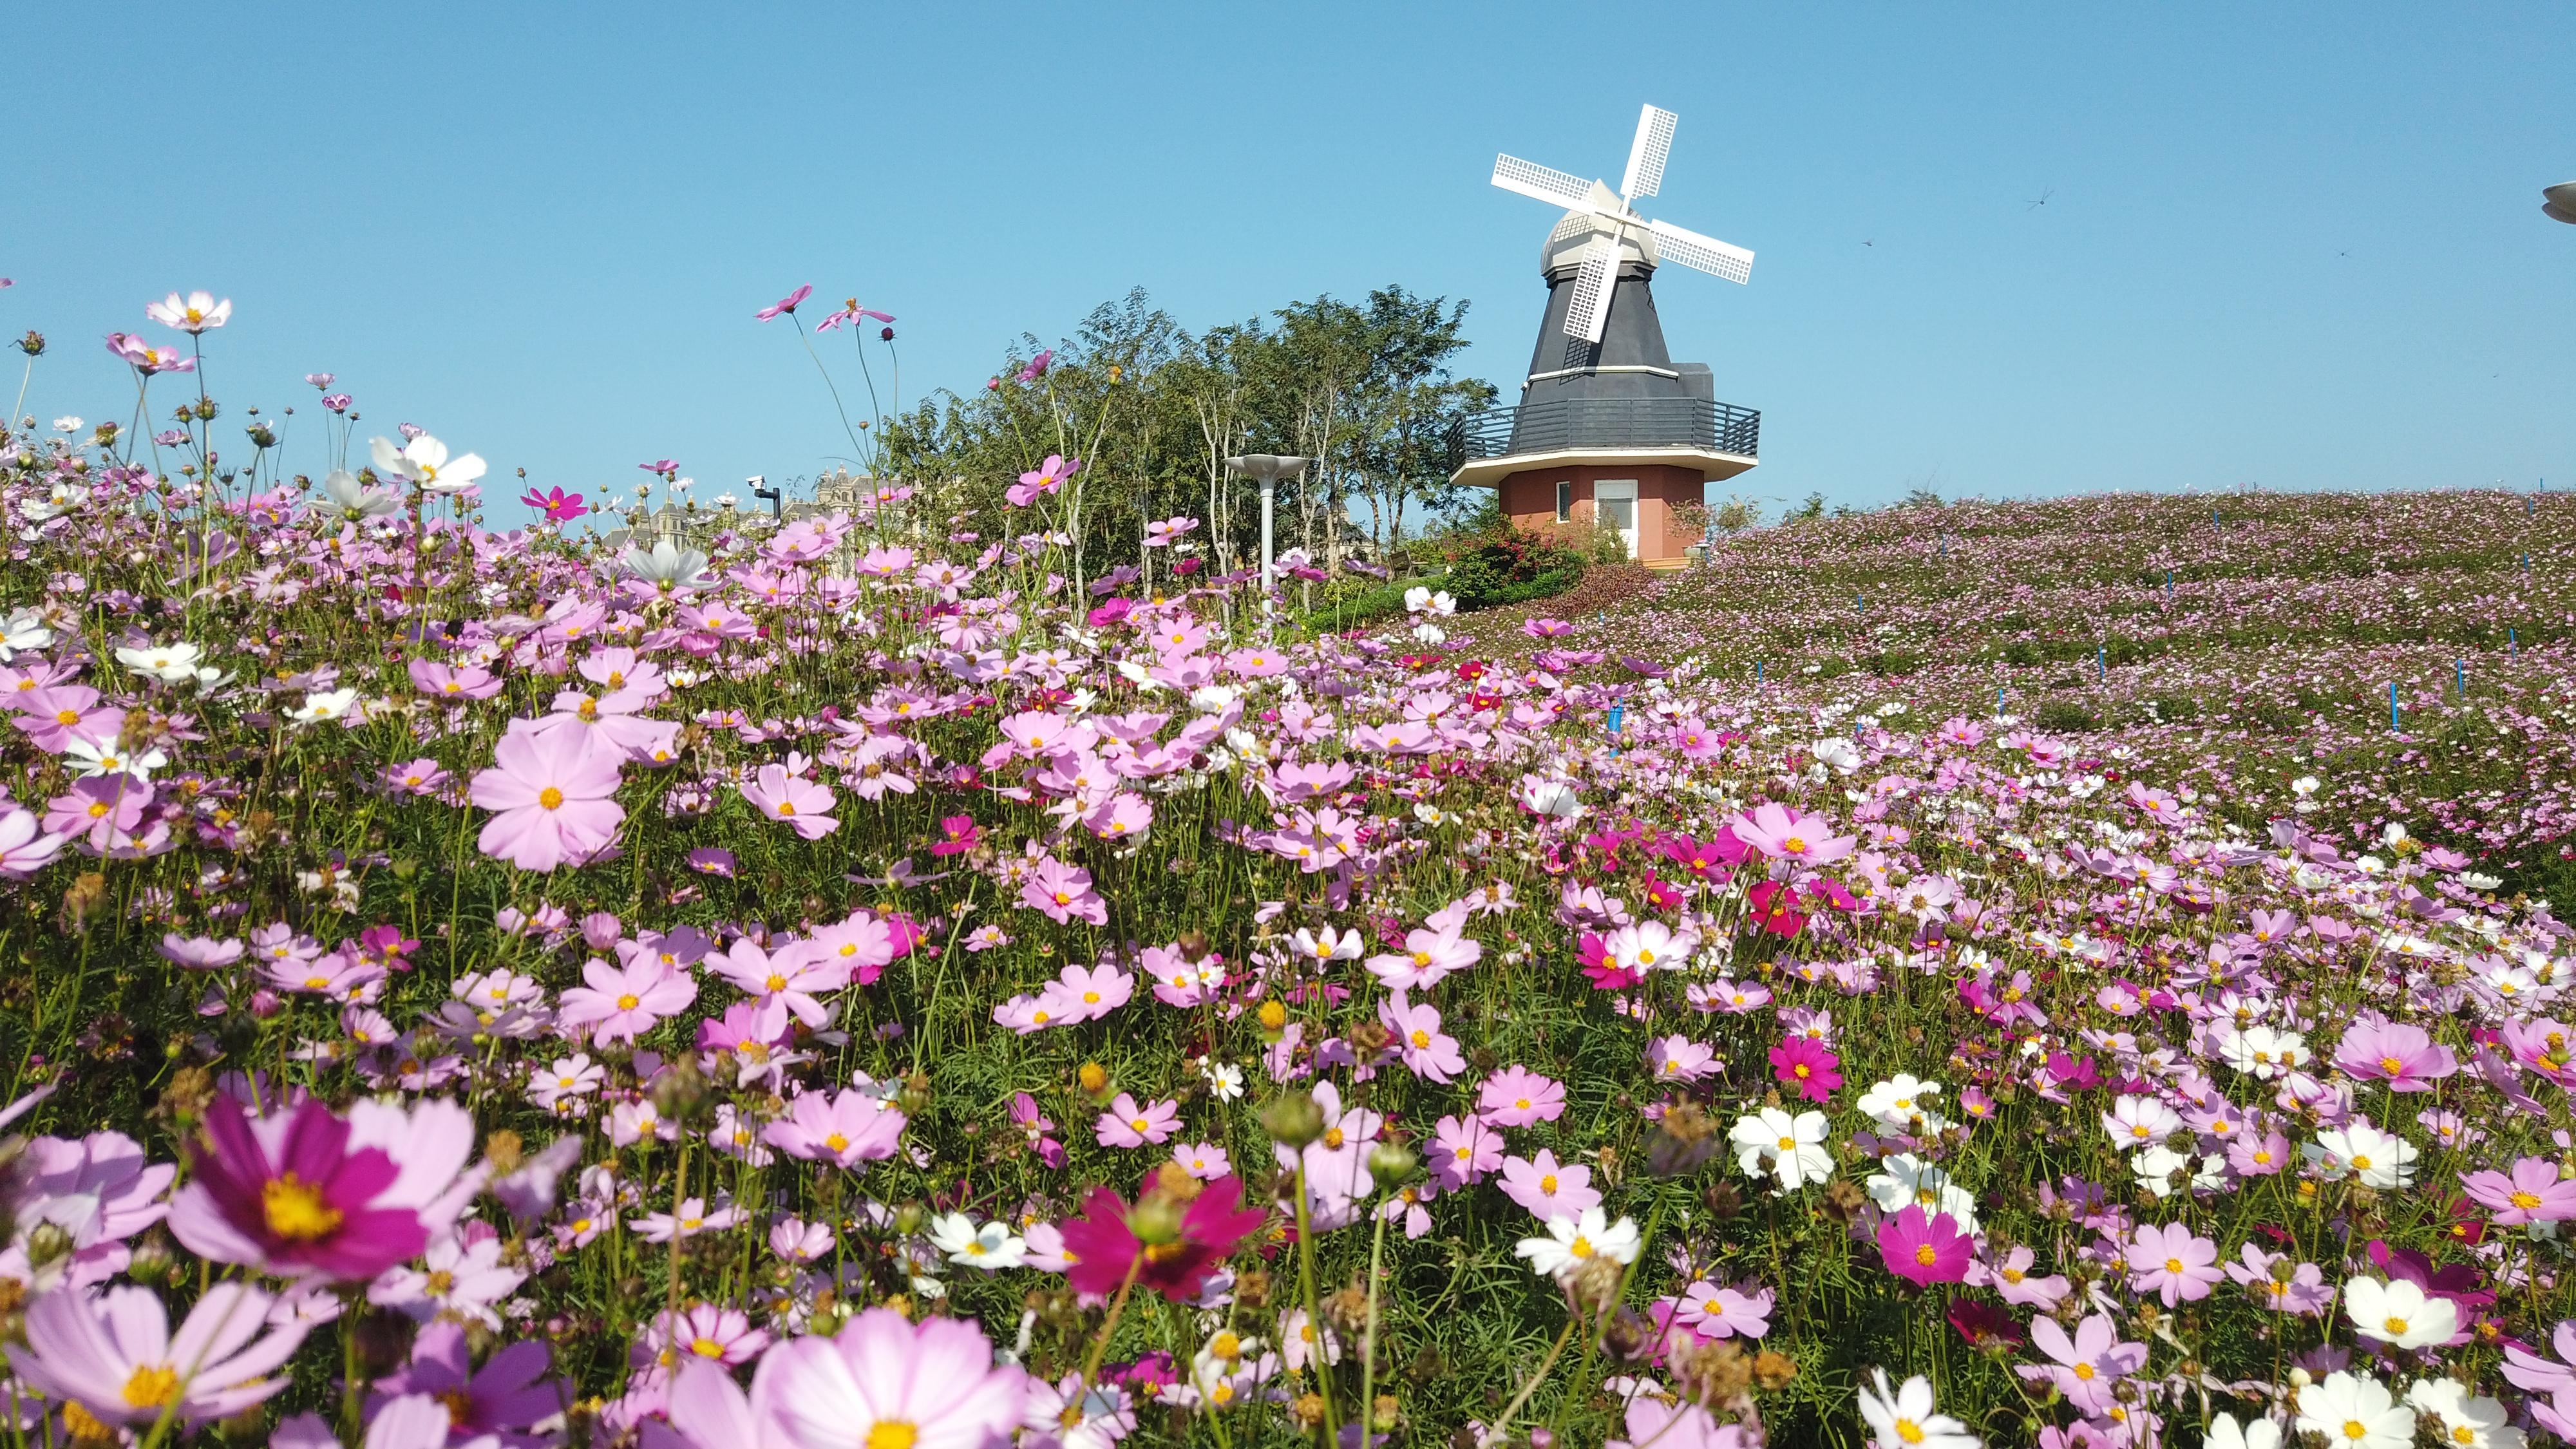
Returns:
(1292,1119)
(1391,1162)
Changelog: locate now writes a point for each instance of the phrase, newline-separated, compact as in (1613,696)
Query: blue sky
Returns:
(2293,245)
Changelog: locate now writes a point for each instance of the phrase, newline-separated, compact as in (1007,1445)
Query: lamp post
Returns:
(1268,468)
(2559,202)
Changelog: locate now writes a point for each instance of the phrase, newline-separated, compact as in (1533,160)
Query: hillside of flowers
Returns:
(1918,980)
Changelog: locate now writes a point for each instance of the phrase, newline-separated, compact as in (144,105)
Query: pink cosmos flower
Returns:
(886,1381)
(1089,993)
(785,305)
(1809,1068)
(25,845)
(1677,1058)
(1517,1097)
(621,1003)
(1924,1250)
(116,1358)
(2088,1365)
(1064,893)
(1783,833)
(303,1191)
(1046,478)
(805,805)
(794,977)
(553,798)
(197,312)
(2404,1056)
(1428,956)
(845,1128)
(1548,1189)
(1426,1051)
(1037,366)
(1126,1124)
(101,811)
(2173,1263)
(453,682)
(957,836)
(2533,1193)
(1719,1311)
(1463,1151)
(507,1396)
(54,716)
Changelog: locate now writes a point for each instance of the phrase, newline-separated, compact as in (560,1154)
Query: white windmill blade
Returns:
(1588,310)
(1646,156)
(1701,253)
(1542,183)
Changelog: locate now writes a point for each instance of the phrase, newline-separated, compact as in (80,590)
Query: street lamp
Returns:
(1269,468)
(2560,202)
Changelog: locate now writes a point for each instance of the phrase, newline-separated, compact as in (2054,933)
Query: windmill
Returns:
(1610,430)
(1607,222)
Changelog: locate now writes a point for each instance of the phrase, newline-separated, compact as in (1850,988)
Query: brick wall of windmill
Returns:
(1529,500)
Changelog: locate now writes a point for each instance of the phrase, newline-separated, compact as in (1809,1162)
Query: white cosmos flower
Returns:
(2398,1313)
(2472,1422)
(2379,1159)
(197,312)
(2354,1412)
(990,1247)
(2226,1433)
(1900,1099)
(357,502)
(424,461)
(1907,1180)
(667,564)
(323,704)
(91,758)
(24,629)
(68,424)
(1551,797)
(169,663)
(1904,1418)
(1571,1242)
(1791,1149)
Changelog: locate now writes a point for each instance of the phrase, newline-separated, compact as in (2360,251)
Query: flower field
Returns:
(1976,974)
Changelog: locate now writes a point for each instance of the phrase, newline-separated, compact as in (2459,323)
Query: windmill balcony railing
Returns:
(1571,423)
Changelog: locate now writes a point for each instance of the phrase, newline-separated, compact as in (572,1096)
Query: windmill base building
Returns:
(1610,432)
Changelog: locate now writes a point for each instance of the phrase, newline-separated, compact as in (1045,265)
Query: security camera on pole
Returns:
(1268,468)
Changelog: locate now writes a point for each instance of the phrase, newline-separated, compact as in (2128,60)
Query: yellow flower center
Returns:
(153,1386)
(2396,1326)
(294,1209)
(1581,1247)
(550,798)
(705,1347)
(628,1002)
(837,1142)
(1925,1256)
(893,1434)
(1909,1431)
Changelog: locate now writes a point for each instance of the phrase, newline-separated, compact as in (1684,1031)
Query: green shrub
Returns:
(1510,567)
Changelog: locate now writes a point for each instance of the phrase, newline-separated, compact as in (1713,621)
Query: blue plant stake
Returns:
(2512,645)
(1757,671)
(1860,602)
(1999,699)
(2462,666)
(2102,662)
(2393,725)
(2169,586)
(1617,711)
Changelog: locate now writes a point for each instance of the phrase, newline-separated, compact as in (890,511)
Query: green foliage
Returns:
(1511,567)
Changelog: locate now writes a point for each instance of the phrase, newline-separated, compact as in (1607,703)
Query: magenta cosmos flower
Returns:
(1099,1248)
(1924,1250)
(301,1191)
(557,505)
(553,798)
(1808,1067)
(112,1360)
(884,1382)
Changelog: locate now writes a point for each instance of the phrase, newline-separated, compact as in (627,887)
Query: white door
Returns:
(1614,505)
